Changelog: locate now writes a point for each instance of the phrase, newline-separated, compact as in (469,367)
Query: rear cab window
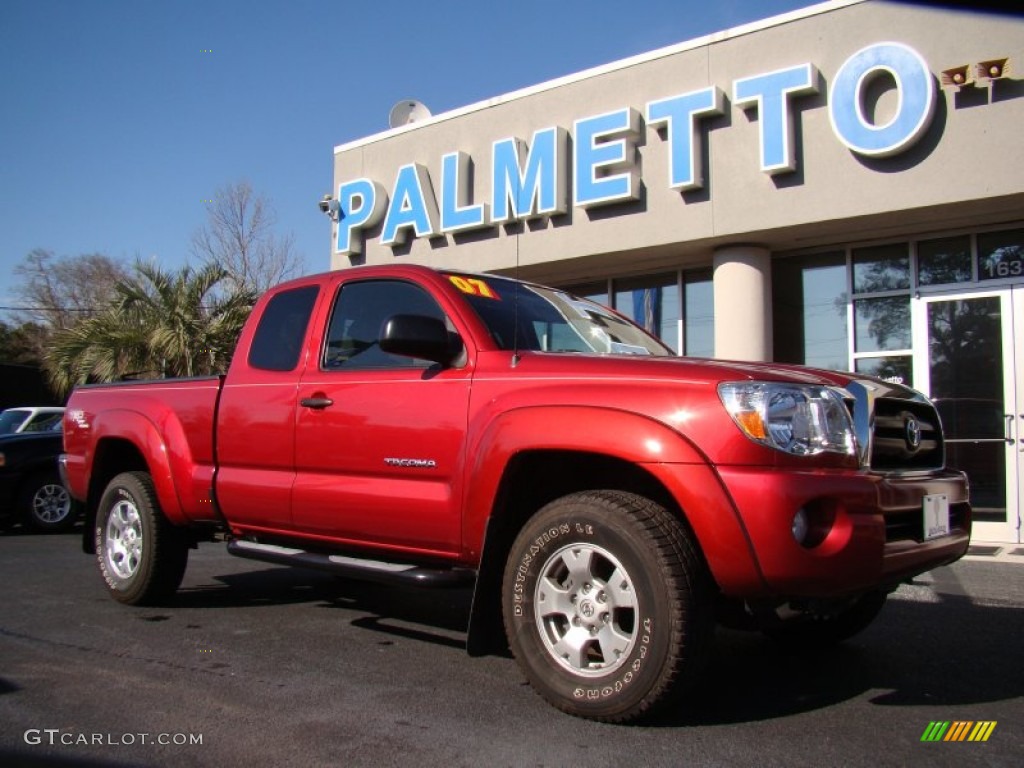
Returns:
(278,342)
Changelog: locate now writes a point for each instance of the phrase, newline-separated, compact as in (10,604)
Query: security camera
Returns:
(329,206)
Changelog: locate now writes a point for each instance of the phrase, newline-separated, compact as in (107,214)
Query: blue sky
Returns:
(119,117)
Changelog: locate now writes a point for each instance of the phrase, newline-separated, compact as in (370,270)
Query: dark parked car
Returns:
(30,487)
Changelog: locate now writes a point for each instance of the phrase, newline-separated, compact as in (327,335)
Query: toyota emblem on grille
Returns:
(912,430)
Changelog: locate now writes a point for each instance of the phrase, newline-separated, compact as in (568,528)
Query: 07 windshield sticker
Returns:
(474,286)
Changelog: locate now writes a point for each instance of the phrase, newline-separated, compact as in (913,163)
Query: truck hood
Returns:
(694,369)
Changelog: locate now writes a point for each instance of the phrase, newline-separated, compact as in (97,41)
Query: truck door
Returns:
(380,437)
(256,415)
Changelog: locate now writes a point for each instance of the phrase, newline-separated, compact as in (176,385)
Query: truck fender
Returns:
(161,452)
(602,431)
(669,457)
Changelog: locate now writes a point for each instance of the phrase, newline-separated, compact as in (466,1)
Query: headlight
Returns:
(798,419)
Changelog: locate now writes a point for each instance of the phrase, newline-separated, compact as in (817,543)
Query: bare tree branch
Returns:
(239,238)
(60,292)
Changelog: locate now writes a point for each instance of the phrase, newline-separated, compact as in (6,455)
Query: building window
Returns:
(809,310)
(594,291)
(1001,255)
(881,312)
(653,304)
(678,308)
(944,261)
(882,324)
(881,268)
(699,322)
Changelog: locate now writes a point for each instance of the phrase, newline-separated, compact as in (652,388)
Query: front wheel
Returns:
(141,556)
(607,605)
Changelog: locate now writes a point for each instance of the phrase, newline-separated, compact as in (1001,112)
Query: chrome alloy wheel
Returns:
(586,609)
(51,504)
(122,543)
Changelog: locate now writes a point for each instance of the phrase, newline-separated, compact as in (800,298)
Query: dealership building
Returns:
(841,186)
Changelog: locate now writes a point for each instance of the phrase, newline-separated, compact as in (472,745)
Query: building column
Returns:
(743,303)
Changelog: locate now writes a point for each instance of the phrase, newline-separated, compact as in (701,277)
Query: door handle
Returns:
(317,402)
(1008,436)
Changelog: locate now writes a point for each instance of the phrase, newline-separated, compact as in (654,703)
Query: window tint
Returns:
(699,316)
(946,260)
(277,343)
(810,318)
(360,311)
(881,268)
(1001,254)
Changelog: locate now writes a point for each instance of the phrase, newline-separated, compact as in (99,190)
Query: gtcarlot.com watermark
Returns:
(55,736)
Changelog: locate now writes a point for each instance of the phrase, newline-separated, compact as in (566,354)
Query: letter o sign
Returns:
(915,105)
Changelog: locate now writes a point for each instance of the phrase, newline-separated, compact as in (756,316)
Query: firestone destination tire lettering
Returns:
(607,605)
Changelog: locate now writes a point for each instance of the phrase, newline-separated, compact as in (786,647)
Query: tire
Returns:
(141,556)
(825,629)
(607,605)
(46,506)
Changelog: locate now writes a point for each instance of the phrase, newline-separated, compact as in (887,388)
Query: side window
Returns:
(277,343)
(359,313)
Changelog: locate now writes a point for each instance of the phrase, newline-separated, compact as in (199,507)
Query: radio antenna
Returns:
(515,311)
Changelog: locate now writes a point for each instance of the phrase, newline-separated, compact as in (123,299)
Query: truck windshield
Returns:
(533,318)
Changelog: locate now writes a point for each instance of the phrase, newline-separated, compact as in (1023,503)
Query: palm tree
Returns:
(160,324)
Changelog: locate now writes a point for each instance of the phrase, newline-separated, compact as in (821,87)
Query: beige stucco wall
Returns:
(967,170)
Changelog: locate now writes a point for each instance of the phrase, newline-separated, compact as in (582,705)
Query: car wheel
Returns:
(607,605)
(46,505)
(824,628)
(141,555)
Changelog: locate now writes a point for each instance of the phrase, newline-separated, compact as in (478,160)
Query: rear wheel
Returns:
(46,505)
(141,556)
(607,605)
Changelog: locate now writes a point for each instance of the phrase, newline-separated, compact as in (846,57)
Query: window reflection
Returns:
(897,369)
(809,317)
(653,304)
(881,268)
(882,324)
(965,349)
(1001,255)
(946,260)
(699,326)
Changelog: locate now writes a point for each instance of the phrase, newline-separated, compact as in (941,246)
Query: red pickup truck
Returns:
(608,500)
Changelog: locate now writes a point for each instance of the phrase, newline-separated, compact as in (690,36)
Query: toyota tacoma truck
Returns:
(607,500)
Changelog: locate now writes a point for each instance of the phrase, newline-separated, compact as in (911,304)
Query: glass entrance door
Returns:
(965,348)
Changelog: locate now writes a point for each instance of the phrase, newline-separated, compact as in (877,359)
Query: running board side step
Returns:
(354,567)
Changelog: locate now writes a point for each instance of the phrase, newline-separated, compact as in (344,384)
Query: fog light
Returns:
(800,527)
(813,522)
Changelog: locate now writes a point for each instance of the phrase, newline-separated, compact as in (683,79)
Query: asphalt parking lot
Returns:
(256,665)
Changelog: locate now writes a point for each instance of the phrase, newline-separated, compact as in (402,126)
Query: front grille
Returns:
(909,526)
(898,429)
(892,447)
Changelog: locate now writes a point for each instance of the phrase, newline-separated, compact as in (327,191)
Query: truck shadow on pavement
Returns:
(915,654)
(374,606)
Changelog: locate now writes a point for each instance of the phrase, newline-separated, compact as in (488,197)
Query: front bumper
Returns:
(876,537)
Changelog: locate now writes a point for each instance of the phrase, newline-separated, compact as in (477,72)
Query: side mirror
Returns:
(426,338)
